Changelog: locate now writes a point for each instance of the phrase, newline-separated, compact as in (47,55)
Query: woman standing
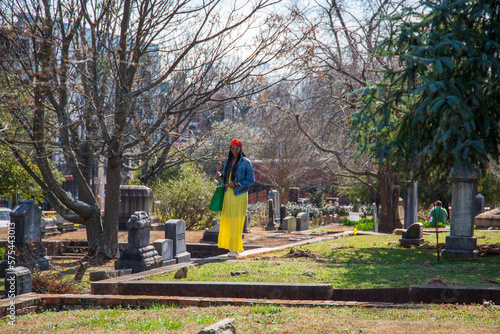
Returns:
(237,175)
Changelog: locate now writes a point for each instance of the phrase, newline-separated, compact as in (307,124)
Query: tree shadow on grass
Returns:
(378,267)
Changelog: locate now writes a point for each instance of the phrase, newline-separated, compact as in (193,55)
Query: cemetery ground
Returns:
(360,261)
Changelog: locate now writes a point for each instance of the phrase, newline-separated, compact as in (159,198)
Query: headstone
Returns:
(270,223)
(275,196)
(247,226)
(290,223)
(410,204)
(26,228)
(479,205)
(139,255)
(461,243)
(211,234)
(375,217)
(175,229)
(17,281)
(282,217)
(293,194)
(399,220)
(64,226)
(136,198)
(328,219)
(414,235)
(49,226)
(165,248)
(302,221)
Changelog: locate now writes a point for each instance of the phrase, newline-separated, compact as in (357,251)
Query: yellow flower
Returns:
(355,231)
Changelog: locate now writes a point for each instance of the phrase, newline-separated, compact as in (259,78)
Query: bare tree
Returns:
(120,82)
(336,60)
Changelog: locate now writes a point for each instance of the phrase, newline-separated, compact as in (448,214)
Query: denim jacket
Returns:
(244,176)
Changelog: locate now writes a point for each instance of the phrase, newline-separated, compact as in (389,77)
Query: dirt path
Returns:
(258,236)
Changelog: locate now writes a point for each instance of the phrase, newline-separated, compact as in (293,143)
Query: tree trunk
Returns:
(111,205)
(389,197)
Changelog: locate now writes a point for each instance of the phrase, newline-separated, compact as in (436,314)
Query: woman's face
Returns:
(235,149)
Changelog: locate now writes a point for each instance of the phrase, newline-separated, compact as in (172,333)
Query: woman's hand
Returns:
(232,185)
(219,166)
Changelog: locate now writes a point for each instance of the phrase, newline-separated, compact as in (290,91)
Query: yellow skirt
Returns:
(232,218)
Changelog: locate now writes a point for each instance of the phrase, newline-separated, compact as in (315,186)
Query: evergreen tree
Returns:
(441,108)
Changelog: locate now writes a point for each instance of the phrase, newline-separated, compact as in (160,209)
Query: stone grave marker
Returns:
(479,205)
(399,220)
(302,221)
(211,234)
(270,224)
(328,219)
(410,204)
(247,226)
(30,251)
(290,223)
(282,217)
(139,255)
(175,229)
(49,225)
(461,243)
(64,226)
(134,198)
(275,196)
(293,194)
(414,235)
(17,281)
(375,217)
(165,248)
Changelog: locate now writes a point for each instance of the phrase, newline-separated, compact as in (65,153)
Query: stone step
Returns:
(74,254)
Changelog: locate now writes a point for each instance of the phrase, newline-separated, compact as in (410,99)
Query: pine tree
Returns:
(441,108)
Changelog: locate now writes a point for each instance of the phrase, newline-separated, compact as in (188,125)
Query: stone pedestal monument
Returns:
(461,243)
(139,255)
(30,251)
(136,198)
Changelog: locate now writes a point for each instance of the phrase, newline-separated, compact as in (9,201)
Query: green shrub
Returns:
(293,209)
(427,224)
(364,224)
(186,196)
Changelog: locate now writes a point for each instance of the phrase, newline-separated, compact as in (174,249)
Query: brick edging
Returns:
(31,303)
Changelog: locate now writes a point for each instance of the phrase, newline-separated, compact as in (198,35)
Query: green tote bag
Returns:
(217,199)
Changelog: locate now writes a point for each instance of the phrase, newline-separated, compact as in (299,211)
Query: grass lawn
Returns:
(361,261)
(358,261)
(266,319)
